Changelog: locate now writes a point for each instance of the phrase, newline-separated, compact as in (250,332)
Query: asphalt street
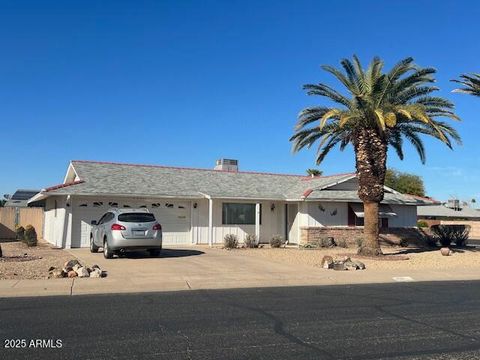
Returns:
(438,320)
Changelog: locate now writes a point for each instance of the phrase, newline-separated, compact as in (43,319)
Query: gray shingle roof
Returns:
(160,181)
(443,211)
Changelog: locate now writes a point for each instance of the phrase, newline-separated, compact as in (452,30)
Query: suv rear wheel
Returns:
(107,253)
(93,247)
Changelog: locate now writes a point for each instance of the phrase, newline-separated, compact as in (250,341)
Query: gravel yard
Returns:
(418,259)
(34,265)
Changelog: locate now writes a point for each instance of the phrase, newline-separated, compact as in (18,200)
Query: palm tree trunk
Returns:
(370,245)
(371,164)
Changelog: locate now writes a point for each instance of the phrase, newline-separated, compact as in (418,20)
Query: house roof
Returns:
(441,210)
(119,179)
(20,198)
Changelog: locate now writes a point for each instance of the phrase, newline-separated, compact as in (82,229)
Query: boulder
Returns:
(360,265)
(76,267)
(96,273)
(350,265)
(82,272)
(71,263)
(327,262)
(339,266)
(57,273)
(72,274)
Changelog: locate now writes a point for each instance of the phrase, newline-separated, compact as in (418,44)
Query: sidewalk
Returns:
(203,268)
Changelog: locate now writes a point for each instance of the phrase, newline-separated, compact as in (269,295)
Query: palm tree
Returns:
(314,172)
(380,110)
(471,83)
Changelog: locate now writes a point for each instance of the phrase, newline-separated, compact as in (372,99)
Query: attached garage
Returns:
(174,216)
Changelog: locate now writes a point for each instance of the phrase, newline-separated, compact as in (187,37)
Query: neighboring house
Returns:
(201,206)
(20,198)
(451,210)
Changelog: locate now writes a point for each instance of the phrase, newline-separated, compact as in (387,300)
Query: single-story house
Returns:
(20,198)
(201,206)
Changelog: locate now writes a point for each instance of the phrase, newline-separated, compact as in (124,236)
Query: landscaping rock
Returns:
(350,265)
(57,273)
(72,274)
(52,268)
(76,267)
(327,262)
(82,272)
(96,273)
(360,265)
(95,267)
(71,263)
(339,266)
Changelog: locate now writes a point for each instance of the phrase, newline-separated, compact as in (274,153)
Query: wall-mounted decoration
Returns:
(334,212)
(321,208)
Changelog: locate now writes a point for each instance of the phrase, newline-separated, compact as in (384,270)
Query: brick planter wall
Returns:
(392,236)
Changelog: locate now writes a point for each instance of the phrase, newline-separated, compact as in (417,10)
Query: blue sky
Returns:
(186,82)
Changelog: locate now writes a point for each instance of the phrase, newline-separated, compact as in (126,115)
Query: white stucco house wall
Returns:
(201,206)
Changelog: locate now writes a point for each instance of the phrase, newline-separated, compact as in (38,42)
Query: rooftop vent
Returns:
(453,204)
(227,165)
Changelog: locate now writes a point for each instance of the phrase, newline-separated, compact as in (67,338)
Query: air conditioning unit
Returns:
(226,165)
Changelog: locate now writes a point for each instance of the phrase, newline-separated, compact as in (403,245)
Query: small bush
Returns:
(447,234)
(430,241)
(250,241)
(404,243)
(230,241)
(422,224)
(276,241)
(341,243)
(327,242)
(359,242)
(30,236)
(19,232)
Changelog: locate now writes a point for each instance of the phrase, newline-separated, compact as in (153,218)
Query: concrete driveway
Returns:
(197,267)
(201,267)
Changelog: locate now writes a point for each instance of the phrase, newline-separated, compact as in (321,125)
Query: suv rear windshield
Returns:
(136,217)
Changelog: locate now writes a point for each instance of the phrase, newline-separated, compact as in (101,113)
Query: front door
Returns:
(292,219)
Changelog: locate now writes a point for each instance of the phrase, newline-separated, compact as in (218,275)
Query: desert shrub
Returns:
(422,224)
(359,242)
(341,243)
(30,236)
(447,234)
(276,241)
(250,241)
(230,241)
(19,232)
(430,241)
(327,242)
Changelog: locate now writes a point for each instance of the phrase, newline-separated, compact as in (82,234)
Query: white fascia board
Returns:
(69,170)
(334,183)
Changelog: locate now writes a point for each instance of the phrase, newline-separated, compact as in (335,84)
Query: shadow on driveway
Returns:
(166,253)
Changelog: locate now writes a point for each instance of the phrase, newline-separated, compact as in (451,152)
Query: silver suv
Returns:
(126,229)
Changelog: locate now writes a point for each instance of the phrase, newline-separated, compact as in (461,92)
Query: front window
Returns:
(239,214)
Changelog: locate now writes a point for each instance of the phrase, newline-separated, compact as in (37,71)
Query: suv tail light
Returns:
(157,227)
(118,227)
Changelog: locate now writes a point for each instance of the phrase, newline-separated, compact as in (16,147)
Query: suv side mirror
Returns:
(93,222)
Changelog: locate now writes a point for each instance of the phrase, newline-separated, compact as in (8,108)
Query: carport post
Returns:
(257,222)
(210,221)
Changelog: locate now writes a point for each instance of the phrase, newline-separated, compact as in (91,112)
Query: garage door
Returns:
(173,215)
(83,213)
(175,219)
